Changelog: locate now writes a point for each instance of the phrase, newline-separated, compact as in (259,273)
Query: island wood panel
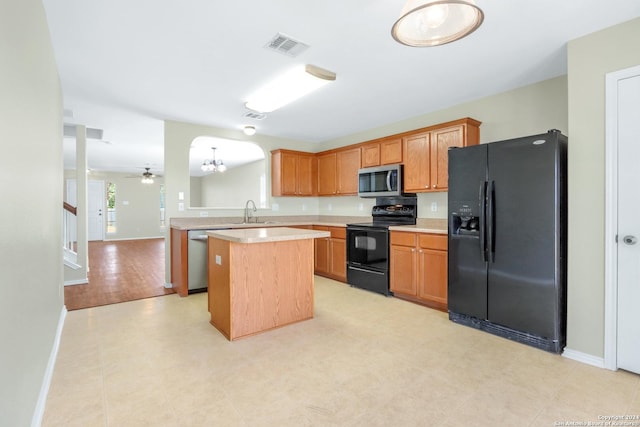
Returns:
(260,286)
(218,287)
(179,262)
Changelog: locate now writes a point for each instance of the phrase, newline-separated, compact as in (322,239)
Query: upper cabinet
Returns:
(338,172)
(423,152)
(327,174)
(391,151)
(347,165)
(370,155)
(293,173)
(426,159)
(385,151)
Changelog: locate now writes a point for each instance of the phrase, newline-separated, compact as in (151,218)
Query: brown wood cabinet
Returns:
(327,174)
(331,253)
(417,163)
(347,165)
(391,151)
(293,173)
(425,153)
(382,152)
(370,155)
(418,268)
(335,172)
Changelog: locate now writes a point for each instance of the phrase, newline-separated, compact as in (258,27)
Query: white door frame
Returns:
(611,215)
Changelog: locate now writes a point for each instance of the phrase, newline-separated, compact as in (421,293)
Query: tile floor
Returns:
(364,360)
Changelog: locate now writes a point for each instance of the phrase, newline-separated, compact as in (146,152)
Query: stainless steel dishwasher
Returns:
(198,259)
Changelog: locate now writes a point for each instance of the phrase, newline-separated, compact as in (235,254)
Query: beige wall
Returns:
(137,206)
(234,187)
(527,110)
(589,59)
(31,214)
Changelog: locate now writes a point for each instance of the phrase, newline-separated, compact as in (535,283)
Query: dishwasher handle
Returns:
(201,237)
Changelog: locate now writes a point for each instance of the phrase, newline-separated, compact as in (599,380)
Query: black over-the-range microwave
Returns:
(380,181)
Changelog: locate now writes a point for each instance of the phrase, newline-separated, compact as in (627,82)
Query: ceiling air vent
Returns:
(286,45)
(254,115)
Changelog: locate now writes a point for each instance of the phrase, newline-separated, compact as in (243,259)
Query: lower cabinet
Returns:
(331,253)
(418,268)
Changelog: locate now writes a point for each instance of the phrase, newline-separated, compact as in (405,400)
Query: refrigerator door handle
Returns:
(492,222)
(482,220)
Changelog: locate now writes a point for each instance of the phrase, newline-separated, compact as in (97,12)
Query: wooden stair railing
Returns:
(72,209)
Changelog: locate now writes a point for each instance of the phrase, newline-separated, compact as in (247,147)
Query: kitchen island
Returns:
(260,278)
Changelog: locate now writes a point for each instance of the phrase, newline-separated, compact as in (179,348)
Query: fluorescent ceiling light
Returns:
(290,86)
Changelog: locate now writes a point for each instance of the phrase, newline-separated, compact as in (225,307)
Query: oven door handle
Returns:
(366,271)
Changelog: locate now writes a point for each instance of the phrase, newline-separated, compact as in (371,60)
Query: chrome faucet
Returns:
(247,213)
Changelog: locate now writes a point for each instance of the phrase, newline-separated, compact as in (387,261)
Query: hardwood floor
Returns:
(120,271)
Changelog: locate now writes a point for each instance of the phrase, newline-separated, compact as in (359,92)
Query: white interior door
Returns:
(628,317)
(95,210)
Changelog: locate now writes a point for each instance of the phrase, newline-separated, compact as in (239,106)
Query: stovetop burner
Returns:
(399,210)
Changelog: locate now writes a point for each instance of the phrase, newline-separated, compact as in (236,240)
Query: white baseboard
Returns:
(36,421)
(579,356)
(76,282)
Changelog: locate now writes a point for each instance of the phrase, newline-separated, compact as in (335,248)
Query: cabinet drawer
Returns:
(433,241)
(403,239)
(338,232)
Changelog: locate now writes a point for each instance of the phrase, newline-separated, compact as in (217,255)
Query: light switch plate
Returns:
(218,260)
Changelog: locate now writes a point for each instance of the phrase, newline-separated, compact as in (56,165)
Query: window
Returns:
(111,207)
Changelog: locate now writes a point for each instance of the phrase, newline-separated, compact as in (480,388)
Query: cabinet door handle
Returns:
(434,186)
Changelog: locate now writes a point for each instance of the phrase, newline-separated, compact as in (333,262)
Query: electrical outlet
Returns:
(360,207)
(180,206)
(204,213)
(329,207)
(218,260)
(434,206)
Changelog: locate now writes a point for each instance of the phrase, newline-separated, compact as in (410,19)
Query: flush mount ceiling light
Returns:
(290,86)
(213,165)
(432,23)
(249,130)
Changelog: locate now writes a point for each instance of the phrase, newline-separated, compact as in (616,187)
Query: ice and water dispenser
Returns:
(464,218)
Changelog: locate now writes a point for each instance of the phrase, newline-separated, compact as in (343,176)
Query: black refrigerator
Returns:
(507,238)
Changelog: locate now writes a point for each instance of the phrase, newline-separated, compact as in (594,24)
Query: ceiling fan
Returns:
(146,177)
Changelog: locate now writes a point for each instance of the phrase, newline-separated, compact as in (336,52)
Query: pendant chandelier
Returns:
(213,165)
(432,23)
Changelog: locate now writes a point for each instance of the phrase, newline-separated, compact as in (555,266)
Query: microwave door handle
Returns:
(389,180)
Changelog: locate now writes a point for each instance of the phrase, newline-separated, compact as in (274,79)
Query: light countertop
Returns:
(266,234)
(423,225)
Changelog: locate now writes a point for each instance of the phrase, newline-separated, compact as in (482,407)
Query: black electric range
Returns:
(368,243)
